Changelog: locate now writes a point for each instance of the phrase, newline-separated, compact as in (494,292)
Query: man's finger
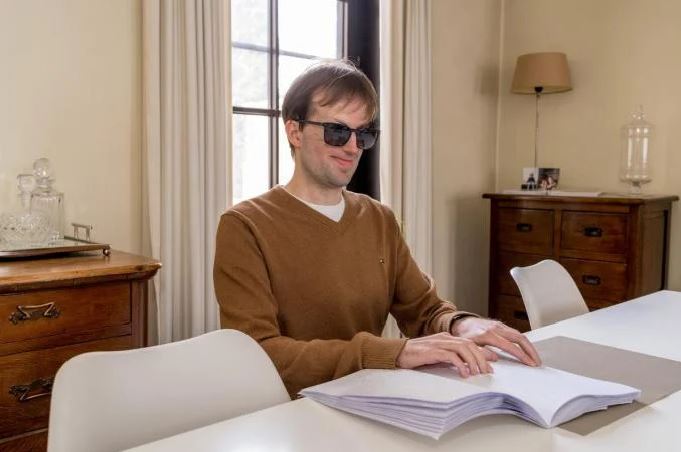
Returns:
(483,362)
(466,354)
(518,338)
(489,354)
(512,349)
(447,356)
(470,354)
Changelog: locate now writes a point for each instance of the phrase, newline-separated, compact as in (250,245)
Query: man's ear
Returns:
(293,133)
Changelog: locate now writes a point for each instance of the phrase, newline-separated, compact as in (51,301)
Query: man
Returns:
(311,271)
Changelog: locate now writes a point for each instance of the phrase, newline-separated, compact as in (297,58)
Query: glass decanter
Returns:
(24,229)
(46,199)
(636,141)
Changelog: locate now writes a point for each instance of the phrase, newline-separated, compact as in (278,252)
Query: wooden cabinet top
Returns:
(76,268)
(609,198)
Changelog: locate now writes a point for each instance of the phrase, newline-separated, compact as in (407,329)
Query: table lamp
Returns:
(541,73)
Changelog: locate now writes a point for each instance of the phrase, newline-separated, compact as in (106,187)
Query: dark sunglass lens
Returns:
(336,134)
(366,138)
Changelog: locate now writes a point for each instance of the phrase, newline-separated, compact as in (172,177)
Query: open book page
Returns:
(545,389)
(396,384)
(434,399)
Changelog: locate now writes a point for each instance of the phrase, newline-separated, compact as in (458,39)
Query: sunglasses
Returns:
(338,134)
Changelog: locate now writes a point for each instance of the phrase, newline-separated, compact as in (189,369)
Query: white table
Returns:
(650,324)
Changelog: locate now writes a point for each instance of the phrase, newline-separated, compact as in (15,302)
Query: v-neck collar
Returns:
(308,212)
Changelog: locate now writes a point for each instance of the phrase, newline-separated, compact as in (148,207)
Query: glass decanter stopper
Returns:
(46,199)
(636,141)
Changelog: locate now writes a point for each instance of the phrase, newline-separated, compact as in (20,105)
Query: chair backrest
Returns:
(549,293)
(106,401)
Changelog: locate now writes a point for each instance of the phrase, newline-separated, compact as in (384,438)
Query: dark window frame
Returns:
(363,48)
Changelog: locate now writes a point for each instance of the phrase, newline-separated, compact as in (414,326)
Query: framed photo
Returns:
(529,179)
(540,178)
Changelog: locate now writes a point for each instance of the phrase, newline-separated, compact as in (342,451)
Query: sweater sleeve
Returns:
(247,303)
(416,306)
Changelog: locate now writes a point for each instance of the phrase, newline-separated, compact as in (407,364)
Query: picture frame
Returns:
(540,178)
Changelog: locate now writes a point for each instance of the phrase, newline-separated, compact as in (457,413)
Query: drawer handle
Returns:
(593,232)
(48,310)
(591,280)
(24,393)
(523,227)
(520,315)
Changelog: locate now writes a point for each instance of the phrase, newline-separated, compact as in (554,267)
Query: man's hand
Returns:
(464,354)
(496,334)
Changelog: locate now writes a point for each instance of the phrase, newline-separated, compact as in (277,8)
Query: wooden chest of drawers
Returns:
(615,248)
(53,309)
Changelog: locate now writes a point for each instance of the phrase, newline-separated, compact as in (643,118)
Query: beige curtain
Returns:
(406,182)
(186,137)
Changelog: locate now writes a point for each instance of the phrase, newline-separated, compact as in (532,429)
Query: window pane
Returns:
(250,156)
(249,21)
(309,27)
(289,69)
(249,78)
(285,159)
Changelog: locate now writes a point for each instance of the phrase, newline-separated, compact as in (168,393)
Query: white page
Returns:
(395,384)
(545,389)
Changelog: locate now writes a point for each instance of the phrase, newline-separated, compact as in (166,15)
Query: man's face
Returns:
(319,163)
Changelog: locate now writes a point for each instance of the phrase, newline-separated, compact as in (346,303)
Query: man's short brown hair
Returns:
(337,81)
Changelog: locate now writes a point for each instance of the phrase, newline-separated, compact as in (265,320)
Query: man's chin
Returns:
(338,183)
(341,180)
(344,181)
(336,179)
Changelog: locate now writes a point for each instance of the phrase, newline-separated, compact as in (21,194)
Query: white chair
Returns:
(106,401)
(549,293)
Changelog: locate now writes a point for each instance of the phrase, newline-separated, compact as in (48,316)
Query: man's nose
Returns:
(351,145)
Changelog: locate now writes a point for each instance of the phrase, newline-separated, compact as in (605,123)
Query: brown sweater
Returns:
(315,293)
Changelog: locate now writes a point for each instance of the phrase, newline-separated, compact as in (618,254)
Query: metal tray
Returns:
(65,245)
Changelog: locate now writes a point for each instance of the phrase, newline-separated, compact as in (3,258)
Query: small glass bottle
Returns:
(636,141)
(46,199)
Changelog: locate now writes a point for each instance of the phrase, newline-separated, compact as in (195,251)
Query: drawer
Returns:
(598,280)
(594,233)
(34,442)
(70,311)
(511,311)
(38,368)
(506,261)
(525,230)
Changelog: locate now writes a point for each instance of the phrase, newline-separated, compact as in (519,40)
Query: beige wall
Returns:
(621,53)
(70,88)
(465,64)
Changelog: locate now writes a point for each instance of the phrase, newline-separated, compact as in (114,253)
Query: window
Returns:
(272,42)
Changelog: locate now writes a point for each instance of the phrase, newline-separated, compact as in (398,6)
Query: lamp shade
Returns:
(545,72)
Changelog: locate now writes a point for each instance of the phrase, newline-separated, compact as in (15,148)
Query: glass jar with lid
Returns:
(46,199)
(637,137)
